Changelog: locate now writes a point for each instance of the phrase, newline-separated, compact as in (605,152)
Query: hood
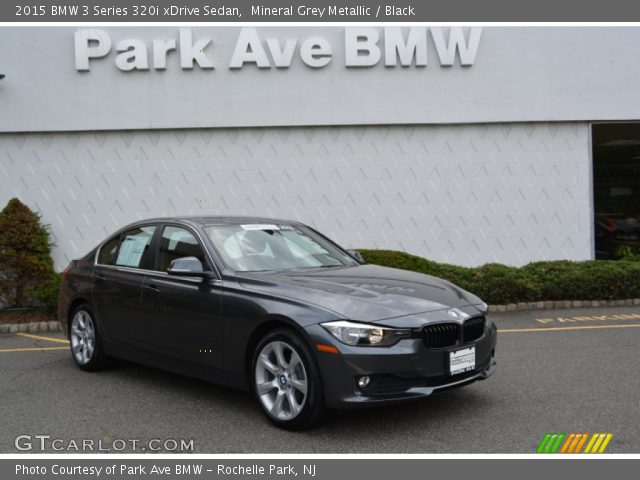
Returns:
(366,292)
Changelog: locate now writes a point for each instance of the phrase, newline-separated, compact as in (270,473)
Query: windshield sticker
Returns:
(260,227)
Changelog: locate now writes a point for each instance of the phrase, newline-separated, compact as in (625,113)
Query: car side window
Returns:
(107,255)
(133,250)
(177,242)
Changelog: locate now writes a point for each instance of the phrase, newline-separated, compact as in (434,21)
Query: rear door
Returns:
(182,315)
(118,278)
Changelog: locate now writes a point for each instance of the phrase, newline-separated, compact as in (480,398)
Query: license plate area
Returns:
(461,361)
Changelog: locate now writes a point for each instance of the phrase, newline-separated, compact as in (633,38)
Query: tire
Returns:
(85,341)
(291,396)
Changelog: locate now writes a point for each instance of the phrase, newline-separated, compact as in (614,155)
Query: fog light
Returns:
(364,381)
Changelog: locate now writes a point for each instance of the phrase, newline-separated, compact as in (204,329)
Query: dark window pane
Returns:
(175,243)
(616,185)
(107,255)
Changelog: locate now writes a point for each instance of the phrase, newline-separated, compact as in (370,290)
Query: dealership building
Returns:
(462,145)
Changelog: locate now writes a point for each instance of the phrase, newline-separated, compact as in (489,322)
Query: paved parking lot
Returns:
(559,371)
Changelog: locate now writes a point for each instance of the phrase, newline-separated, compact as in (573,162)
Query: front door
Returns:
(182,315)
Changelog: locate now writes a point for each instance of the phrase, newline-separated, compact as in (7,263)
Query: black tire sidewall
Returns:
(314,403)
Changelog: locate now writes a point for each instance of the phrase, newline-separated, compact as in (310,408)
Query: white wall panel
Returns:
(509,193)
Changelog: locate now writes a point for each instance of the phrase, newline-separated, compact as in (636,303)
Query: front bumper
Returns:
(405,371)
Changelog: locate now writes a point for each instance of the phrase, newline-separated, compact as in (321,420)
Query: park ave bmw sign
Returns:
(362,46)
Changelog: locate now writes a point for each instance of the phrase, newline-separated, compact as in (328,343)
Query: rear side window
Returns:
(134,247)
(130,249)
(107,255)
(175,243)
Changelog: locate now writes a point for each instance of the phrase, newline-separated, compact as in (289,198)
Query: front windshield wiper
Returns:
(324,266)
(297,269)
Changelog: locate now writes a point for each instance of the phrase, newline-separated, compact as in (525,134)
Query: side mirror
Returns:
(188,267)
(357,255)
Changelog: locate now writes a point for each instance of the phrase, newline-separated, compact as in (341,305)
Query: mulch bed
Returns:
(17,316)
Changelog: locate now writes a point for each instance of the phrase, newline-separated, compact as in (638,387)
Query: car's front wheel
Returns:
(84,337)
(286,381)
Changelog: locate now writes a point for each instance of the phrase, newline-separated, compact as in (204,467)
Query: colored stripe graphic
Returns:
(570,439)
(591,442)
(556,442)
(598,443)
(606,441)
(575,445)
(543,443)
(581,443)
(550,443)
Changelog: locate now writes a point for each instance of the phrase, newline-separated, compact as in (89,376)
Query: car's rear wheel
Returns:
(286,381)
(85,341)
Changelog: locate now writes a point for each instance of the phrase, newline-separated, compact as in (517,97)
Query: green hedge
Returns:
(500,284)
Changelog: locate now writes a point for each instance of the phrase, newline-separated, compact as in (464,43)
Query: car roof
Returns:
(204,220)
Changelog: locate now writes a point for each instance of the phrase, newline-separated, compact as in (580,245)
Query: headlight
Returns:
(352,333)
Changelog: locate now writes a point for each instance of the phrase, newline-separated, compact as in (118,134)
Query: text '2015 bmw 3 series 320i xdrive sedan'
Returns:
(276,308)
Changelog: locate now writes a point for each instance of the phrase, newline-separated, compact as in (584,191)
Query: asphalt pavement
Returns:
(558,371)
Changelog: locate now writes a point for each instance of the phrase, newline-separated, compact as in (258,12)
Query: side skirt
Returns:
(175,366)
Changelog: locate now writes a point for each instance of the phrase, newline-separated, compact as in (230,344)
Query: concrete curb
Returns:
(563,304)
(35,327)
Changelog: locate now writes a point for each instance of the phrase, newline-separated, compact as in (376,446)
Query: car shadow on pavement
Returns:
(437,408)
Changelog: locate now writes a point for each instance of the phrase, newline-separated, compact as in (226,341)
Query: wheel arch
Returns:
(270,323)
(72,307)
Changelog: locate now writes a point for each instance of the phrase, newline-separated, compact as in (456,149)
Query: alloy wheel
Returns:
(83,337)
(281,380)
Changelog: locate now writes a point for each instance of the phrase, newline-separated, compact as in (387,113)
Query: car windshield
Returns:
(251,248)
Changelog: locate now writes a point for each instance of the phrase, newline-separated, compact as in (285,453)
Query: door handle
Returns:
(152,286)
(99,277)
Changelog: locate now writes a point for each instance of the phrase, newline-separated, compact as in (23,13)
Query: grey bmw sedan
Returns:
(276,308)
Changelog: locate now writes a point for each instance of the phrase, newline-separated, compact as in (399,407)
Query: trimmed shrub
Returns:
(47,293)
(502,284)
(406,261)
(25,255)
(553,280)
(590,280)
